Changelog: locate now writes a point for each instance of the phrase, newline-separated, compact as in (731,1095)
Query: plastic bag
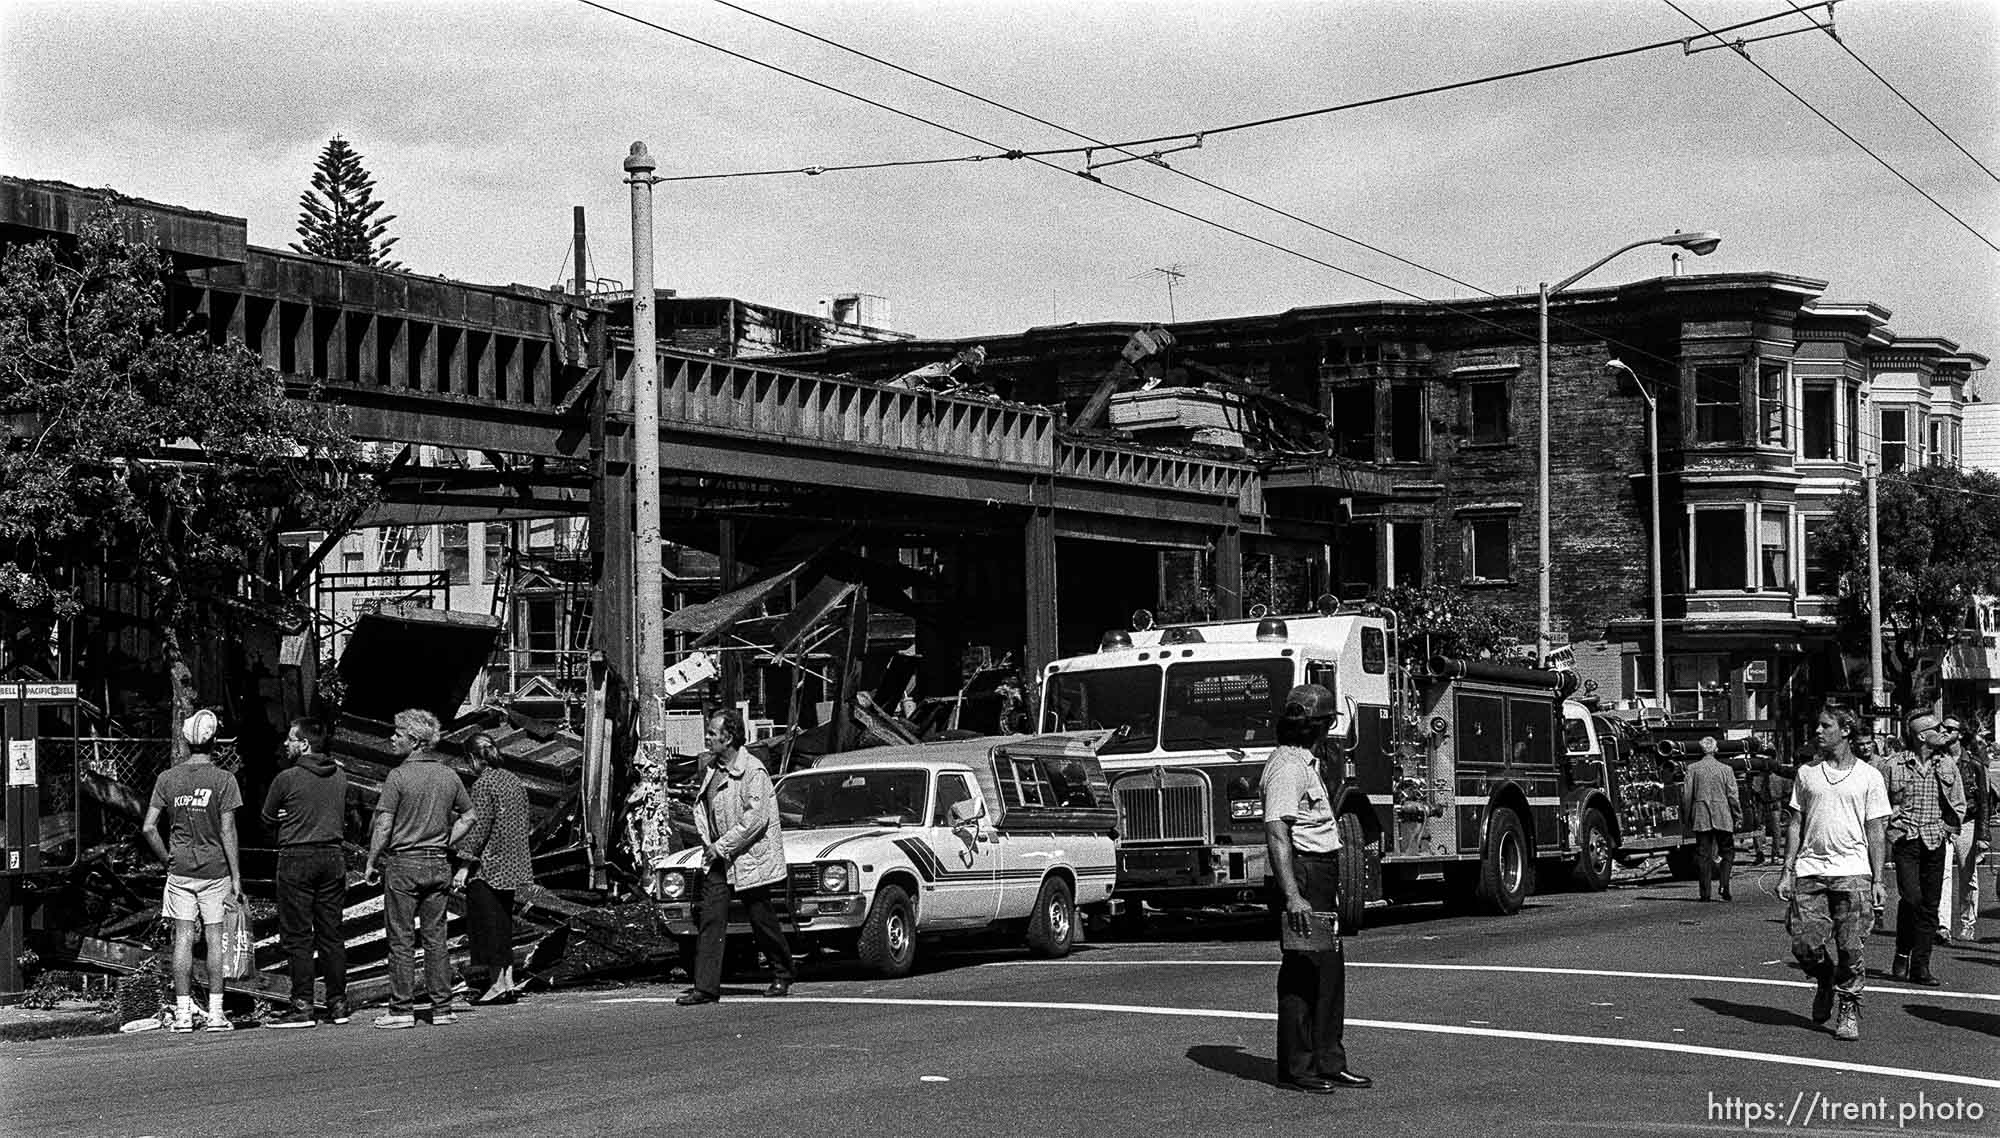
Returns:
(239,951)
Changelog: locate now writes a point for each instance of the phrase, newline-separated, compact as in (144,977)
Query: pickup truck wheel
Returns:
(1592,870)
(1353,900)
(888,944)
(1052,926)
(1506,871)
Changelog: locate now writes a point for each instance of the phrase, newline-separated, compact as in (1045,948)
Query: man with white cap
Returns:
(203,870)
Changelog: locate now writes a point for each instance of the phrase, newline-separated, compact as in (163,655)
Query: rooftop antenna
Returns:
(1173,274)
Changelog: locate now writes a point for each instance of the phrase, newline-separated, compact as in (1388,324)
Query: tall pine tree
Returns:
(337,216)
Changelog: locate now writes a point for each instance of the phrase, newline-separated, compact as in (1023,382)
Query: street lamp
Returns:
(1653,482)
(1701,244)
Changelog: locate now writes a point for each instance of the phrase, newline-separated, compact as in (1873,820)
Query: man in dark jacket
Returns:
(1972,839)
(1713,813)
(307,806)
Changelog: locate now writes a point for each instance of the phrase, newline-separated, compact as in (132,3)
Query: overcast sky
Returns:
(485,122)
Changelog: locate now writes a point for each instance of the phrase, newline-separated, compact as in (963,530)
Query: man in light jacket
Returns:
(1714,812)
(743,855)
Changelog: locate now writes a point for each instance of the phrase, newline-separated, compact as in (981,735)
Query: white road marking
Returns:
(1873,989)
(1391,1025)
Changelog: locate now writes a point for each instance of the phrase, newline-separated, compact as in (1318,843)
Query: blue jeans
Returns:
(1829,920)
(312,891)
(413,892)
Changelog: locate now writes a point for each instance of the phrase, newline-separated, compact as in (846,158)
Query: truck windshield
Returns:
(1216,704)
(1125,699)
(851,797)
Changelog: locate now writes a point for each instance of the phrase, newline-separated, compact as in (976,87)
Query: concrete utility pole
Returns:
(648,619)
(1877,697)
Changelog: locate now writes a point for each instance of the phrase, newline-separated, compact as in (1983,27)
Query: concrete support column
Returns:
(1038,562)
(1229,573)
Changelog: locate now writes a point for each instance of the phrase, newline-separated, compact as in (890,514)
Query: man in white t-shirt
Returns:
(1834,851)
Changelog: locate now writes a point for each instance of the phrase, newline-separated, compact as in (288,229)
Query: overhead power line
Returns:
(1849,49)
(1844,133)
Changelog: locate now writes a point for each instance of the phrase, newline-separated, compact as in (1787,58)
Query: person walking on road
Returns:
(204,873)
(1833,868)
(1714,812)
(743,855)
(307,807)
(1970,841)
(493,862)
(423,811)
(1928,804)
(1304,844)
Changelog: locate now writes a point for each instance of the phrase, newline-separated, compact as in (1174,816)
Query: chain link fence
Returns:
(94,787)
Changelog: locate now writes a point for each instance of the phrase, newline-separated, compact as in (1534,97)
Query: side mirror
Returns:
(965,813)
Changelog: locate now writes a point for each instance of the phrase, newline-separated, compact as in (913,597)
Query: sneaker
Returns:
(1847,1024)
(1969,932)
(392,1021)
(336,1011)
(183,1021)
(1823,1001)
(218,1023)
(445,1018)
(293,1017)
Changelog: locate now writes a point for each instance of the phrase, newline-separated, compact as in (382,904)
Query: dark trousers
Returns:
(1714,857)
(764,928)
(413,893)
(1919,884)
(489,928)
(1312,986)
(312,892)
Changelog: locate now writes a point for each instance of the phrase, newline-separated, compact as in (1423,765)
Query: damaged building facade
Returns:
(1772,399)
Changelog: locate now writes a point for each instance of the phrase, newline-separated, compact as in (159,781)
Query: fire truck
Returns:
(1460,778)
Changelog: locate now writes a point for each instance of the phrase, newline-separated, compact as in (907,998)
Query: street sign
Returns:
(48,691)
(1882,710)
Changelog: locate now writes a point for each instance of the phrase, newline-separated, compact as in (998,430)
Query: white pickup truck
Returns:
(893,844)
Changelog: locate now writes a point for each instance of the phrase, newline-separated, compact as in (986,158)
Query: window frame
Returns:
(1901,442)
(1774,380)
(1809,391)
(1787,578)
(1700,579)
(1709,379)
(1498,398)
(1470,544)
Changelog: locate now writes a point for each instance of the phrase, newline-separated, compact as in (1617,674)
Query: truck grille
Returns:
(1163,806)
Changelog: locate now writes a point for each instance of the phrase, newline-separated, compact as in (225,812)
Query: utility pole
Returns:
(1877,697)
(648,618)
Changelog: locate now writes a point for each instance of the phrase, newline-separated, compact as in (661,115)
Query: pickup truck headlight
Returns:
(835,877)
(673,886)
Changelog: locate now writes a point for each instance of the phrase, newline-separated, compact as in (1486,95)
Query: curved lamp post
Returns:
(1701,244)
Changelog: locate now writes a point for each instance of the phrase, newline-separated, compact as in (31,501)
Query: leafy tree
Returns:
(145,453)
(337,215)
(1940,535)
(1445,620)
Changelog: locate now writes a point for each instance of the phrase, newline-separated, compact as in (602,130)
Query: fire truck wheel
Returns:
(1052,926)
(1592,870)
(888,944)
(1353,898)
(1506,871)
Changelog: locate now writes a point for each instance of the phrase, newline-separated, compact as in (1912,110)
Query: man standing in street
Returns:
(203,871)
(1304,844)
(743,856)
(1970,841)
(1714,812)
(307,807)
(1927,803)
(493,862)
(1833,868)
(423,811)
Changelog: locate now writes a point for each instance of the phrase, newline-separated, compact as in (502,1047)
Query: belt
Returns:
(417,853)
(328,844)
(1314,855)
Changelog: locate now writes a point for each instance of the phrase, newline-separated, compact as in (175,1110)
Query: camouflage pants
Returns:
(1829,920)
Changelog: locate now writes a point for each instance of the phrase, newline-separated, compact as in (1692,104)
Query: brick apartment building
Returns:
(1771,399)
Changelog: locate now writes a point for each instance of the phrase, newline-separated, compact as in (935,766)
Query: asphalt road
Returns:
(1636,1011)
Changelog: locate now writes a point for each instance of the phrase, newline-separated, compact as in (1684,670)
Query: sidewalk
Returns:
(65,1020)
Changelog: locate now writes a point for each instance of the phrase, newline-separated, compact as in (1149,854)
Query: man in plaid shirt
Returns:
(1927,804)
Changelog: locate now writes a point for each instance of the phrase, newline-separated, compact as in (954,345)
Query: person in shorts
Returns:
(199,801)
